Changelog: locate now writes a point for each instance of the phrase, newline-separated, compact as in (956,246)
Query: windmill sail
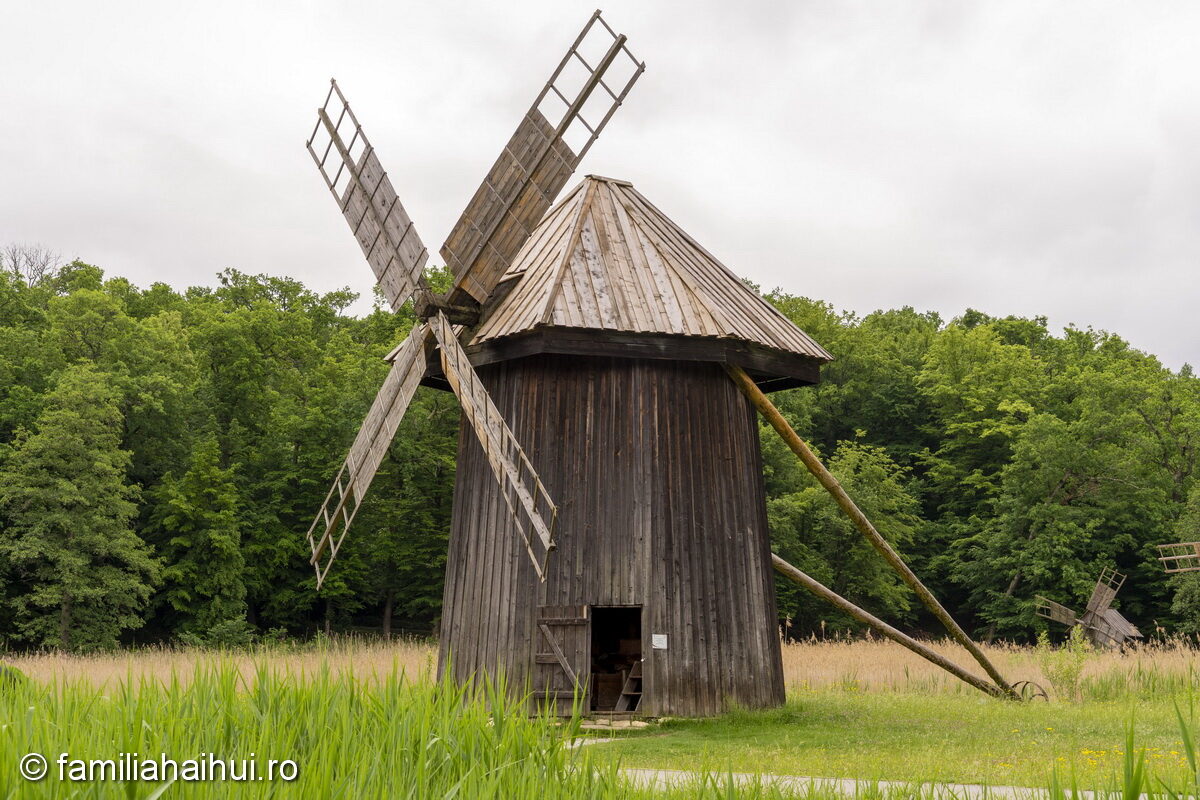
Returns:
(328,530)
(368,202)
(1048,609)
(540,157)
(527,499)
(1180,557)
(1107,586)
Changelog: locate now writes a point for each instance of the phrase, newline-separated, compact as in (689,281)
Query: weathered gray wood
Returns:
(558,653)
(531,170)
(624,268)
(1105,590)
(354,478)
(766,364)
(658,466)
(565,630)
(507,206)
(1051,610)
(523,491)
(1180,557)
(369,202)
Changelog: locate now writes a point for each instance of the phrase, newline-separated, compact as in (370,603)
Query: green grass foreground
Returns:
(381,734)
(352,738)
(947,737)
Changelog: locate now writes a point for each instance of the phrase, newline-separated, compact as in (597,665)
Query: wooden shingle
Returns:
(606,259)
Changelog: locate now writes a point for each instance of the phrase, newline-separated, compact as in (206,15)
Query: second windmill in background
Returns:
(1103,624)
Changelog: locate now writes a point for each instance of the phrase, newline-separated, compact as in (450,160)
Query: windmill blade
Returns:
(540,157)
(522,489)
(1048,609)
(1105,591)
(360,185)
(345,497)
(1180,557)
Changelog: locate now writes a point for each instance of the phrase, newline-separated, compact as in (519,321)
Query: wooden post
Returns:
(826,479)
(825,593)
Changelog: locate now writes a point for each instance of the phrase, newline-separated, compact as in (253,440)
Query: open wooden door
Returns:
(561,657)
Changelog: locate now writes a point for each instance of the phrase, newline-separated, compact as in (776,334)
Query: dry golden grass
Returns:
(860,665)
(368,659)
(879,664)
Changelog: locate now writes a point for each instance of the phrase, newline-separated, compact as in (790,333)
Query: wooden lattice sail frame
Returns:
(1180,557)
(558,129)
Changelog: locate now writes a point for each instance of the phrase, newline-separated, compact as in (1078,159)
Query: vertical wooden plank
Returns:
(656,470)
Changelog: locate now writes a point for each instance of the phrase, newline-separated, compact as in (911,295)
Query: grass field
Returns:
(366,719)
(872,710)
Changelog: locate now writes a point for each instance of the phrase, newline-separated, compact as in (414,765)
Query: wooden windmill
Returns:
(1102,624)
(591,344)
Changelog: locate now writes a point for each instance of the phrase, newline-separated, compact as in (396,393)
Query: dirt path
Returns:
(848,787)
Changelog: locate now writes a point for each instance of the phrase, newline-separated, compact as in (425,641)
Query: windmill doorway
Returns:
(616,658)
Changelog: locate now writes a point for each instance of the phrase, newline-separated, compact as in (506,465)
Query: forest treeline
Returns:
(162,454)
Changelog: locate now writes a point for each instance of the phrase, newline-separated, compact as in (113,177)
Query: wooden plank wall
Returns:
(656,469)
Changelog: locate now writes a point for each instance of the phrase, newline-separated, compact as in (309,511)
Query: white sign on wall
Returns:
(658,641)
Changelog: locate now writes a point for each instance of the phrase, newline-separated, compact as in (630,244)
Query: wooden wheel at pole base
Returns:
(1029,690)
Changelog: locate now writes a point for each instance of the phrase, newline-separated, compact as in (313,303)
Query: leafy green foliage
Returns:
(81,572)
(812,533)
(1063,666)
(197,516)
(1001,459)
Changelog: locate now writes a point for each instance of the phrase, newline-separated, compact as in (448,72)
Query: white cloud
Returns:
(1019,157)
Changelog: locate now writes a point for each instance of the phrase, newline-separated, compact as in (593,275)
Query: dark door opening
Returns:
(616,657)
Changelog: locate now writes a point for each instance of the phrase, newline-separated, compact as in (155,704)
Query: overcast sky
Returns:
(1016,157)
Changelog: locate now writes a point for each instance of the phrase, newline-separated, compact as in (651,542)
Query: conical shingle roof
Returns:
(605,259)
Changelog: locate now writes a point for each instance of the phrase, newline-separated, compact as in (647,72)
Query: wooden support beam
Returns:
(825,593)
(426,304)
(826,479)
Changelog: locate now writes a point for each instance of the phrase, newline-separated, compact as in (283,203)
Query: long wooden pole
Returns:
(825,593)
(826,479)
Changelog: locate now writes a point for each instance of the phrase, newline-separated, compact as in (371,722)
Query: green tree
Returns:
(1185,603)
(196,516)
(809,530)
(83,575)
(981,391)
(1085,487)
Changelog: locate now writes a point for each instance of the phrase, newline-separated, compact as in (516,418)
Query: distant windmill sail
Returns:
(1180,557)
(1048,609)
(1105,591)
